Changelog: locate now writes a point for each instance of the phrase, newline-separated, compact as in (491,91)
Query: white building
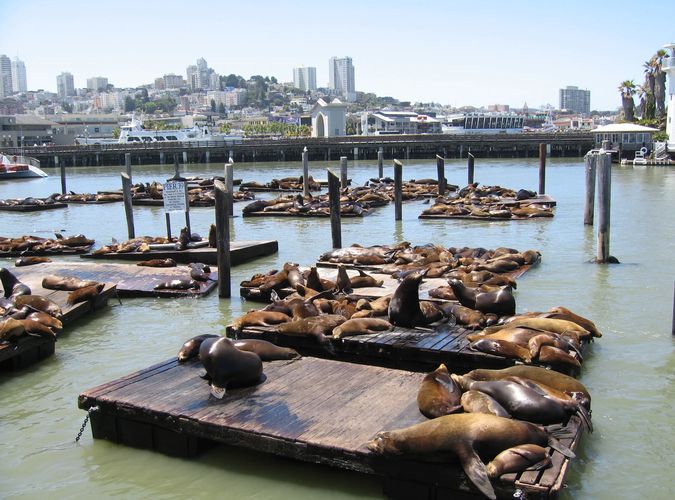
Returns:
(97,83)
(19,76)
(5,76)
(625,137)
(405,122)
(669,67)
(341,77)
(65,85)
(329,119)
(304,78)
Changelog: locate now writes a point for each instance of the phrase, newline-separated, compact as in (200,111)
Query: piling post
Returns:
(184,157)
(63,173)
(176,166)
(604,205)
(380,160)
(161,158)
(127,163)
(440,170)
(334,202)
(590,161)
(469,168)
(343,172)
(398,195)
(305,172)
(223,238)
(673,326)
(229,185)
(128,208)
(542,168)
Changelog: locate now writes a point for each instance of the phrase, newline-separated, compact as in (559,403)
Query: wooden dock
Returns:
(240,252)
(309,409)
(32,208)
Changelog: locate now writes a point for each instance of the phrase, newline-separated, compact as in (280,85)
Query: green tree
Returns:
(213,105)
(221,109)
(129,104)
(116,133)
(225,128)
(660,82)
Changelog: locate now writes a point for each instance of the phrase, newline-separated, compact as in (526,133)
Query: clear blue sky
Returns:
(452,52)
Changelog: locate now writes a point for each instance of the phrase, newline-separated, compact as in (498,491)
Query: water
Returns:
(629,371)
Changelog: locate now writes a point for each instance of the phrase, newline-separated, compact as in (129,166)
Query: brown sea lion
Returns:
(37,328)
(228,366)
(553,356)
(190,348)
(438,394)
(85,294)
(501,302)
(361,326)
(502,348)
(29,261)
(168,262)
(44,318)
(68,283)
(183,239)
(213,236)
(404,307)
(294,276)
(11,328)
(11,284)
(467,316)
(559,326)
(260,318)
(364,280)
(379,306)
(431,312)
(518,459)
(561,312)
(342,282)
(313,280)
(479,402)
(266,350)
(39,303)
(317,327)
(471,437)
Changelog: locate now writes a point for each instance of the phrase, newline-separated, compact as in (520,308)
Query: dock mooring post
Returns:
(604,205)
(343,172)
(469,168)
(542,168)
(334,202)
(590,161)
(185,158)
(380,160)
(673,326)
(63,173)
(440,170)
(128,207)
(229,185)
(223,238)
(398,194)
(127,163)
(305,172)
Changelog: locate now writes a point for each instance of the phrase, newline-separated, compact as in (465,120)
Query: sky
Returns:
(457,53)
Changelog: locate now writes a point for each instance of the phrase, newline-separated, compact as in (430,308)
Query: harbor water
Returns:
(629,371)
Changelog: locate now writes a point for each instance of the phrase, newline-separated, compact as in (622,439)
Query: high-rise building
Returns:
(172,81)
(575,99)
(19,76)
(200,76)
(5,76)
(65,85)
(304,78)
(341,77)
(97,83)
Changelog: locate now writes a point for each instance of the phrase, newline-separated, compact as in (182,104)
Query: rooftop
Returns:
(624,127)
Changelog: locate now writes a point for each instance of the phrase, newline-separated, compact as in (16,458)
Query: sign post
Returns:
(175,198)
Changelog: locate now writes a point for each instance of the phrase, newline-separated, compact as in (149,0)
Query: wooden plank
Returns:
(31,208)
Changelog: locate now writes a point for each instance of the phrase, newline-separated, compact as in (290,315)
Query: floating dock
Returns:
(31,208)
(308,409)
(240,252)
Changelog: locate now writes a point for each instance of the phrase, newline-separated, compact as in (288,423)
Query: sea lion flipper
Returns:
(541,465)
(585,417)
(205,375)
(476,471)
(560,448)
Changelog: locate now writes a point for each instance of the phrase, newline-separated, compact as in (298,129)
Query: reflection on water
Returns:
(629,370)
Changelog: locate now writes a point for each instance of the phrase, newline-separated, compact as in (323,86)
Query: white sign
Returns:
(174,197)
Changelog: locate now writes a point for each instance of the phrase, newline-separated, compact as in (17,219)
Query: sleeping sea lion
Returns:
(47,320)
(438,394)
(267,351)
(29,261)
(169,262)
(517,459)
(39,303)
(260,318)
(364,280)
(178,284)
(361,326)
(85,294)
(479,402)
(68,283)
(11,328)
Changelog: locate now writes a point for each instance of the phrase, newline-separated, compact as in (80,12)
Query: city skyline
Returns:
(521,52)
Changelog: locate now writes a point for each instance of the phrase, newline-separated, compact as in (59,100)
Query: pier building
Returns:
(669,67)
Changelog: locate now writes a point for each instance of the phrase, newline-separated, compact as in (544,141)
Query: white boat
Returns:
(19,167)
(483,123)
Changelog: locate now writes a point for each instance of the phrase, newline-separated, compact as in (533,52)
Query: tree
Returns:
(213,105)
(116,133)
(660,82)
(221,109)
(225,128)
(627,90)
(648,105)
(129,104)
(67,107)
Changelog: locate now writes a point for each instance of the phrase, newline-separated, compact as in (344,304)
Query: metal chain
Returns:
(84,424)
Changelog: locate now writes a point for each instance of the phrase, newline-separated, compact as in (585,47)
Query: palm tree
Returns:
(627,90)
(648,108)
(660,82)
(642,93)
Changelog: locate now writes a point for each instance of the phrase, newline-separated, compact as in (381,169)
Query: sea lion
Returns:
(44,318)
(559,326)
(465,315)
(228,366)
(30,261)
(500,302)
(317,327)
(404,307)
(361,326)
(379,306)
(190,348)
(502,348)
(37,328)
(85,294)
(479,402)
(11,284)
(471,437)
(294,276)
(213,236)
(39,303)
(438,394)
(260,318)
(10,328)
(168,262)
(178,284)
(68,283)
(199,271)
(183,239)
(518,459)
(313,280)
(342,283)
(267,351)
(554,356)
(561,312)
(364,280)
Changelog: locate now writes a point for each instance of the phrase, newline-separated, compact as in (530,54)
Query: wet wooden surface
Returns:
(31,208)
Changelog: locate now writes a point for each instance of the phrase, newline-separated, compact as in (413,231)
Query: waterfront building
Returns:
(669,67)
(341,77)
(575,99)
(304,78)
(405,122)
(69,126)
(329,119)
(5,76)
(19,76)
(97,83)
(25,130)
(65,85)
(624,137)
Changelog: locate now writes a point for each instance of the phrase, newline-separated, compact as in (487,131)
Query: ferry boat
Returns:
(483,123)
(19,167)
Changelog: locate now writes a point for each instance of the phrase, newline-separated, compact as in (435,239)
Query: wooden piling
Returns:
(62,166)
(176,166)
(127,163)
(380,165)
(604,205)
(185,158)
(305,172)
(673,326)
(343,172)
(590,161)
(469,168)
(334,202)
(229,184)
(223,238)
(440,169)
(542,168)
(128,208)
(398,194)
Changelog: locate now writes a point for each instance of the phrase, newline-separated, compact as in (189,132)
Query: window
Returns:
(171,138)
(159,138)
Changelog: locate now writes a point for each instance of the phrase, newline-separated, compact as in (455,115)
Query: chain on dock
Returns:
(84,424)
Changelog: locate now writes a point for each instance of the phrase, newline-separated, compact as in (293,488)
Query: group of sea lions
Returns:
(201,192)
(144,244)
(284,184)
(410,190)
(489,202)
(72,197)
(199,273)
(490,416)
(232,363)
(30,201)
(37,244)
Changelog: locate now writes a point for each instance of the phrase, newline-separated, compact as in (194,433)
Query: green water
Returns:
(629,371)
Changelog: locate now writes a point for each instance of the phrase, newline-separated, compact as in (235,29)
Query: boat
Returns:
(483,123)
(19,167)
